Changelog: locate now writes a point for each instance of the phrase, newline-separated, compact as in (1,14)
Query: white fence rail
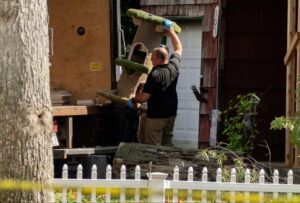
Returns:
(178,190)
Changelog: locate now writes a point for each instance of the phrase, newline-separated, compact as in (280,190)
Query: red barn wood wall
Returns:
(209,71)
(192,8)
(254,51)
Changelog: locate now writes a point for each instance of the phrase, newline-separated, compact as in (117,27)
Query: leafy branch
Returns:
(291,124)
(239,122)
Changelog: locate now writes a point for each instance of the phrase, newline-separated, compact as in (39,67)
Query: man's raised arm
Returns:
(177,46)
(169,31)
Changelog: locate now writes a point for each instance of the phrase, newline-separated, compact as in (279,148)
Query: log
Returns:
(163,159)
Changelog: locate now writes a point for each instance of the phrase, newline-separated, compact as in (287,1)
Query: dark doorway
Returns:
(254,51)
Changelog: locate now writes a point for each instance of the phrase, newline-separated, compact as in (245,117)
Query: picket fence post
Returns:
(247,181)
(261,181)
(79,177)
(219,180)
(157,186)
(233,181)
(65,190)
(190,179)
(290,181)
(275,181)
(175,178)
(94,177)
(204,179)
(123,178)
(137,176)
(108,177)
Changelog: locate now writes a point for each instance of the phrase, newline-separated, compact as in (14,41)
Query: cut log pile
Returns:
(160,159)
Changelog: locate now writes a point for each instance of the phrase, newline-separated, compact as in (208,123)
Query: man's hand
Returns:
(167,24)
(130,103)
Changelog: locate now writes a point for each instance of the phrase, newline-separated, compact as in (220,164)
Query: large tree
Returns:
(25,106)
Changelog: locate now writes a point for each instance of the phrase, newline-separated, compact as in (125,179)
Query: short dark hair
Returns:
(165,46)
(162,52)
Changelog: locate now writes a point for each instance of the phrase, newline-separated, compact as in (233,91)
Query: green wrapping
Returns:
(150,18)
(131,66)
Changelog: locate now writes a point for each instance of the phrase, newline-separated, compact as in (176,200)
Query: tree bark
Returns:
(26,119)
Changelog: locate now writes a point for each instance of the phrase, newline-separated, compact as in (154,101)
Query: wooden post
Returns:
(290,79)
(157,186)
(70,132)
(297,161)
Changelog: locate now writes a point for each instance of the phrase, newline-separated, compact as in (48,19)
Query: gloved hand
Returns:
(167,24)
(130,103)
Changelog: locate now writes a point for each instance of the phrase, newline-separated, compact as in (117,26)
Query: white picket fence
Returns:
(157,185)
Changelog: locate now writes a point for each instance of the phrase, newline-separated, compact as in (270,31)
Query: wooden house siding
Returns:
(183,11)
(175,2)
(209,46)
(205,9)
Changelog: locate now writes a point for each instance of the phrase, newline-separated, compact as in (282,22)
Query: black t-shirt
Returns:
(161,84)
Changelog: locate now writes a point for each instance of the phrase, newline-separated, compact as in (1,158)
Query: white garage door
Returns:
(187,121)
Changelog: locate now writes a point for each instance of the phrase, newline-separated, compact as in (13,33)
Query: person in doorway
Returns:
(160,91)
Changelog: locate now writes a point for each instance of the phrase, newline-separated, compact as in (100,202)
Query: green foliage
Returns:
(281,122)
(207,155)
(239,163)
(236,125)
(291,124)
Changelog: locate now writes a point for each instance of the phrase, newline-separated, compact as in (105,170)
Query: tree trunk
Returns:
(26,119)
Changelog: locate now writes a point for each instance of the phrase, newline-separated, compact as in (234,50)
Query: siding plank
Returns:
(178,10)
(204,130)
(209,46)
(208,70)
(208,20)
(175,2)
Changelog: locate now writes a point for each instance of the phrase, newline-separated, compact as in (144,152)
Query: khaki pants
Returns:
(141,131)
(159,131)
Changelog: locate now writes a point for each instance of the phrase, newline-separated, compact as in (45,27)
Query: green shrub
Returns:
(239,122)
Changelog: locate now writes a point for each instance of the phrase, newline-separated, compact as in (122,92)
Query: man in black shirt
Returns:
(160,91)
